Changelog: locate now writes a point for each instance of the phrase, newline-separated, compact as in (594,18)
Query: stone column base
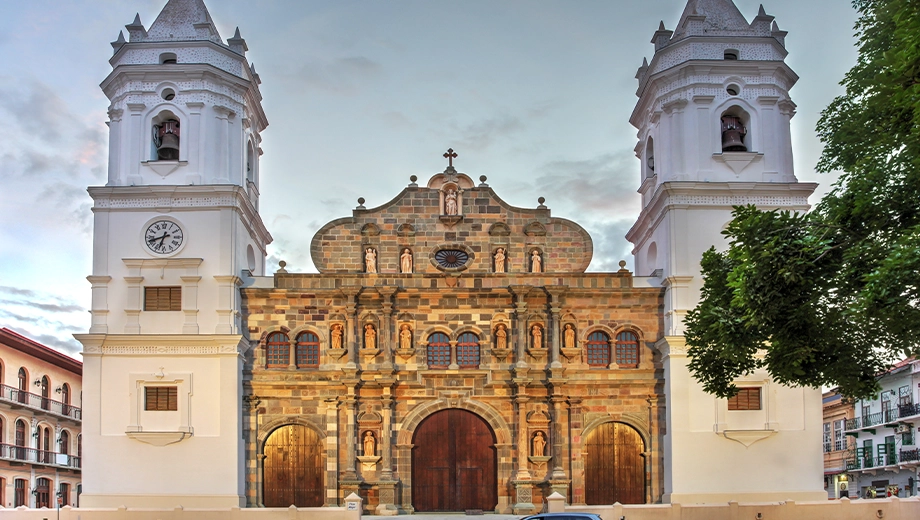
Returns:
(387,494)
(560,486)
(523,490)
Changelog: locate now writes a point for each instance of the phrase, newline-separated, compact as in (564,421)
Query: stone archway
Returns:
(293,468)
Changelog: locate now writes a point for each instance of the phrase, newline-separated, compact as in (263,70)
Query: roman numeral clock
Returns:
(164,237)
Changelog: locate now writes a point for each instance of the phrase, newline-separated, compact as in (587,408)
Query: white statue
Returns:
(370,260)
(405,261)
(450,202)
(536,263)
(500,260)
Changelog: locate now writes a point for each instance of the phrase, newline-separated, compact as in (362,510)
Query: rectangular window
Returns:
(162,298)
(161,398)
(904,396)
(907,438)
(20,490)
(746,399)
(827,437)
(840,440)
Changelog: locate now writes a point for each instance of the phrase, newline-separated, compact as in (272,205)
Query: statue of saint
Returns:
(405,337)
(405,261)
(537,333)
(569,341)
(450,202)
(370,260)
(499,260)
(336,336)
(370,448)
(539,445)
(370,337)
(536,263)
(501,336)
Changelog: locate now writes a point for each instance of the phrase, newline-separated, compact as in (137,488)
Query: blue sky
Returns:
(360,95)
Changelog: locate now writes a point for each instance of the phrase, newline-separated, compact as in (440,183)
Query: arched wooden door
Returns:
(614,465)
(454,463)
(293,470)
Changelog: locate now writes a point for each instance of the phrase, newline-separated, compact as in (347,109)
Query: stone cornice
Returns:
(162,344)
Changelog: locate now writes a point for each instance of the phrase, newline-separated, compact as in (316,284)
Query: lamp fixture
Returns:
(37,382)
(58,390)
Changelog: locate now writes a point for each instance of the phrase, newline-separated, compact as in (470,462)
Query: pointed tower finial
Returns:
(237,44)
(136,31)
(761,12)
(641,72)
(661,37)
(661,25)
(119,42)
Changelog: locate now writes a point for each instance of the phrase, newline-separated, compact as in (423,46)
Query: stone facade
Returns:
(524,388)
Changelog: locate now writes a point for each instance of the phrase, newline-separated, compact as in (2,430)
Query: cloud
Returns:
(481,134)
(71,347)
(47,307)
(17,291)
(339,76)
(39,111)
(602,185)
(610,244)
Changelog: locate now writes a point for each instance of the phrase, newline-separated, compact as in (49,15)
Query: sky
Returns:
(359,95)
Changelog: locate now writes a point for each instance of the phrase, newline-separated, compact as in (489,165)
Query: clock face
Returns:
(163,237)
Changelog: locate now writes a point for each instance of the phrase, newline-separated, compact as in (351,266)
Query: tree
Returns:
(832,297)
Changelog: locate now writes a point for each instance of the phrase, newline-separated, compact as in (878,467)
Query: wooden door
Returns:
(43,493)
(614,465)
(454,463)
(293,471)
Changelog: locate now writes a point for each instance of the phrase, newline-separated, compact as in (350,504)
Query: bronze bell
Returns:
(733,133)
(166,139)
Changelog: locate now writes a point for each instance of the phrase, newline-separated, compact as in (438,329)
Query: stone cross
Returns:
(450,156)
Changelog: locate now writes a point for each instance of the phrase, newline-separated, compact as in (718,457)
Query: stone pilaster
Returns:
(351,309)
(520,323)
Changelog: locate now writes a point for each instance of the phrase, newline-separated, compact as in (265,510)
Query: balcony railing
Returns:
(891,415)
(36,401)
(878,461)
(34,456)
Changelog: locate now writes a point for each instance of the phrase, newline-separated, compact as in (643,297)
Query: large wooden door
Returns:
(293,471)
(454,463)
(614,465)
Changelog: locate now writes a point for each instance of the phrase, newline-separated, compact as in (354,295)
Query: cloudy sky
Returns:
(361,94)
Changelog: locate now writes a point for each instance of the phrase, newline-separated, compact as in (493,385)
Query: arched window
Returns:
(65,443)
(64,491)
(307,350)
(627,350)
(65,398)
(438,350)
(598,349)
(278,350)
(168,58)
(46,450)
(735,123)
(166,136)
(23,385)
(42,493)
(650,158)
(20,438)
(46,393)
(468,350)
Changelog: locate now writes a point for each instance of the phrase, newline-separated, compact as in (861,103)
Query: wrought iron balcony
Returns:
(16,396)
(886,417)
(35,456)
(910,455)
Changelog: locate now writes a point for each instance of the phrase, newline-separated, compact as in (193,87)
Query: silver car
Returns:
(563,516)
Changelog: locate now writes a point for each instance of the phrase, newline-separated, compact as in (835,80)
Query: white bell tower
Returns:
(176,233)
(714,131)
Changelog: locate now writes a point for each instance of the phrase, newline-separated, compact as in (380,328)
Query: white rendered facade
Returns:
(717,64)
(178,71)
(885,432)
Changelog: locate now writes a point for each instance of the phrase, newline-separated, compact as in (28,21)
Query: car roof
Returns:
(563,516)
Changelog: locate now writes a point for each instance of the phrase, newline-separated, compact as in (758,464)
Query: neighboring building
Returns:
(40,417)
(837,446)
(885,430)
(452,353)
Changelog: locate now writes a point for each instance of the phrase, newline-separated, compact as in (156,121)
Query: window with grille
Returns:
(746,399)
(827,437)
(840,440)
(278,350)
(904,397)
(468,350)
(307,350)
(598,349)
(627,350)
(162,298)
(161,398)
(438,350)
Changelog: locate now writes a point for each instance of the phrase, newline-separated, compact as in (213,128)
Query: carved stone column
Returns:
(453,356)
(520,325)
(351,439)
(332,452)
(577,469)
(555,307)
(387,497)
(388,335)
(351,309)
(523,485)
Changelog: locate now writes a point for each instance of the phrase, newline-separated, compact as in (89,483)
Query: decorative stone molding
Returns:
(159,438)
(747,437)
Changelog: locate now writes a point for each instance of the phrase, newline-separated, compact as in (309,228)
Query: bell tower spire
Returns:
(713,121)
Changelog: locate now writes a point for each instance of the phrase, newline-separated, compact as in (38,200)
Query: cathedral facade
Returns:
(452,353)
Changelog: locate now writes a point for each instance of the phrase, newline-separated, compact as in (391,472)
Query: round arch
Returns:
(615,458)
(422,411)
(293,459)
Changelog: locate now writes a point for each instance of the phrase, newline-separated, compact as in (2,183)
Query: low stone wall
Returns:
(843,509)
(351,511)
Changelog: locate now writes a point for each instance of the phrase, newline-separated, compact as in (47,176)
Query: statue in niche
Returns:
(450,202)
(370,260)
(536,263)
(337,336)
(569,334)
(539,445)
(405,261)
(370,337)
(537,332)
(499,260)
(501,336)
(405,337)
(370,444)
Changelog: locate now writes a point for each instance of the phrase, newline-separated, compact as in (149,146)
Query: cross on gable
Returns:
(450,156)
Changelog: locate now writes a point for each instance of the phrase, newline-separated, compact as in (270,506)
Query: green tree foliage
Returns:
(831,297)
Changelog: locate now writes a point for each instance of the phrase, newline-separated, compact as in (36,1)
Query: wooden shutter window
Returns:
(161,398)
(162,298)
(746,399)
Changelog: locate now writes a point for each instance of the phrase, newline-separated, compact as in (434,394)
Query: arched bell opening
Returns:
(735,126)
(165,137)
(650,158)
